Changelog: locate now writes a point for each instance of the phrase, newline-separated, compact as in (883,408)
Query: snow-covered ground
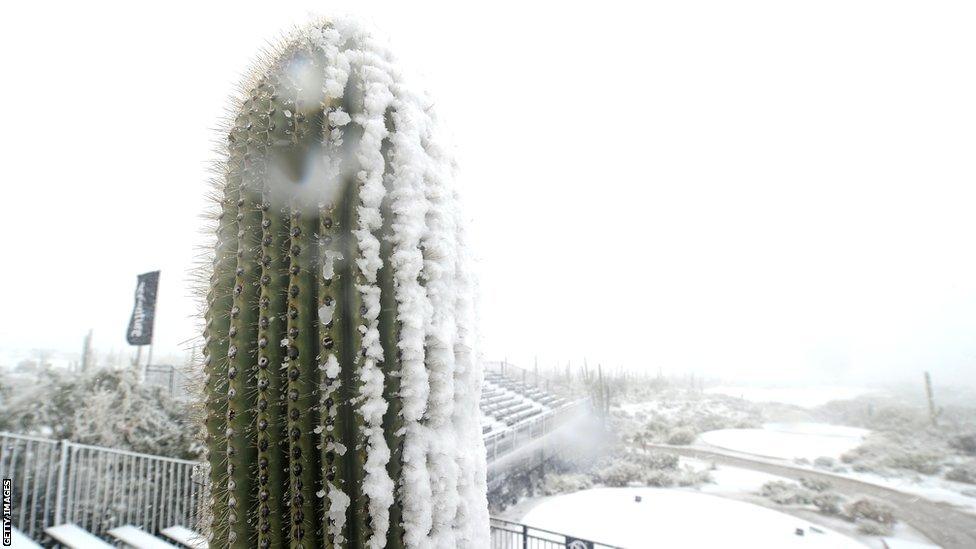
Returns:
(788,440)
(804,397)
(930,487)
(675,518)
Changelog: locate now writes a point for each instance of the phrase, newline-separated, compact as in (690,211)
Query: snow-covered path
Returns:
(675,518)
(942,523)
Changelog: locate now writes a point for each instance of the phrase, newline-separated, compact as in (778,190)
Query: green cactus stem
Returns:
(320,260)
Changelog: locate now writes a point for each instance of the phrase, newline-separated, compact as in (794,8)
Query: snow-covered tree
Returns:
(342,386)
(103,408)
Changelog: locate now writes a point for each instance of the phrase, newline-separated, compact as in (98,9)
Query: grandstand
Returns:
(524,418)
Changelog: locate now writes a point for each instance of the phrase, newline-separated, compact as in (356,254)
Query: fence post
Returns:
(59,494)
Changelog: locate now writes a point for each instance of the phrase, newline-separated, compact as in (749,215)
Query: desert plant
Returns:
(963,472)
(681,436)
(563,484)
(828,503)
(965,443)
(341,381)
(873,528)
(786,493)
(825,462)
(815,484)
(869,509)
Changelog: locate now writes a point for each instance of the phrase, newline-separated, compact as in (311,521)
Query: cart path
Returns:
(944,524)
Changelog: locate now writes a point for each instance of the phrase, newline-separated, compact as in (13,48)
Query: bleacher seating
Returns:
(506,401)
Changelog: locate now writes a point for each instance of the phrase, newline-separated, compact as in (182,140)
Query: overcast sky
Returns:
(740,189)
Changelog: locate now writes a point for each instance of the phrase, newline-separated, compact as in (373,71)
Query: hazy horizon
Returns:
(686,188)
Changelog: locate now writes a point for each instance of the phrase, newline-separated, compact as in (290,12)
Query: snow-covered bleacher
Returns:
(505,401)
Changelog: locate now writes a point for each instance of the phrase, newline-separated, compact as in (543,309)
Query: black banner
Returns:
(141,324)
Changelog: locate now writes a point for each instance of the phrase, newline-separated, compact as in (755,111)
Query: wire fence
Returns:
(58,481)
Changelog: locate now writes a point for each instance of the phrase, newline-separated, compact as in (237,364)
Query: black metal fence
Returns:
(513,535)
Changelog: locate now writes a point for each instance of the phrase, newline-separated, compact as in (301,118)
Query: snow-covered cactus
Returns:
(342,387)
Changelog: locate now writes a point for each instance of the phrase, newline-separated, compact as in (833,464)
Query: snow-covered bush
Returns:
(655,460)
(688,476)
(828,503)
(891,451)
(927,463)
(870,509)
(677,416)
(963,472)
(965,443)
(825,462)
(554,484)
(815,484)
(682,436)
(786,493)
(619,473)
(103,408)
(342,386)
(658,469)
(873,528)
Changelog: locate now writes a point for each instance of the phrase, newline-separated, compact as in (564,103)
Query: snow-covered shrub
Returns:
(828,503)
(103,408)
(825,462)
(786,493)
(965,443)
(891,451)
(682,436)
(692,477)
(342,385)
(815,484)
(564,484)
(927,463)
(659,479)
(873,528)
(655,460)
(963,472)
(870,509)
(619,473)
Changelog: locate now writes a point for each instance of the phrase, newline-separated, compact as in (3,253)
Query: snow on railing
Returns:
(58,481)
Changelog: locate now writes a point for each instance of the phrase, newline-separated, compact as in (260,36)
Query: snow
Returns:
(804,397)
(788,440)
(375,82)
(734,480)
(897,543)
(674,518)
(932,488)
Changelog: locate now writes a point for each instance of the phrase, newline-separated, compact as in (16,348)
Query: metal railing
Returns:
(500,443)
(513,535)
(58,481)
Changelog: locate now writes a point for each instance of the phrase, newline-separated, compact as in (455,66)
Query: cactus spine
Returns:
(341,386)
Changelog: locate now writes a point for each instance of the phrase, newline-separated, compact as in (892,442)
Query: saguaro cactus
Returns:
(341,384)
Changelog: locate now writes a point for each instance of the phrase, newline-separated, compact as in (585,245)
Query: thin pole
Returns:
(155,314)
(61,473)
